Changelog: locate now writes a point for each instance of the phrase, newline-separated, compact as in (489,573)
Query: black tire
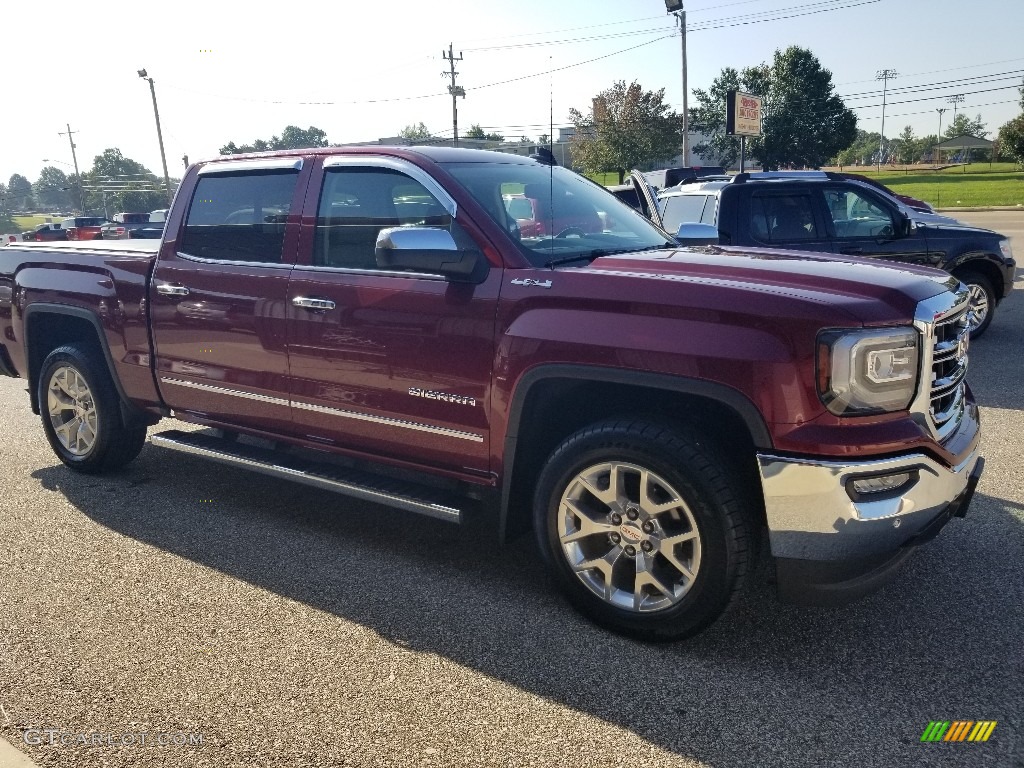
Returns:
(976,282)
(112,445)
(712,495)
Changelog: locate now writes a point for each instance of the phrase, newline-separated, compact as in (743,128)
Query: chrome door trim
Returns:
(390,421)
(384,420)
(226,391)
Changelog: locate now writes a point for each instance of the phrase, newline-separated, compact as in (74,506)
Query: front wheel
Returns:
(643,528)
(80,412)
(982,302)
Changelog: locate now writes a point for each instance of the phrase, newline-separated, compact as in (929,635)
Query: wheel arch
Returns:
(69,325)
(986,267)
(551,402)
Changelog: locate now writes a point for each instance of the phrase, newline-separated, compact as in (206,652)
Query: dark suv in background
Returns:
(841,216)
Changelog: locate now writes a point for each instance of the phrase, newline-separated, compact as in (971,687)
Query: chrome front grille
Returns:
(947,334)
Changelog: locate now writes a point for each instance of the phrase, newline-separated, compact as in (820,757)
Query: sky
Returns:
(364,70)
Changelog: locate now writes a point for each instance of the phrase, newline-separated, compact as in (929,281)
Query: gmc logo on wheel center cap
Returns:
(631,532)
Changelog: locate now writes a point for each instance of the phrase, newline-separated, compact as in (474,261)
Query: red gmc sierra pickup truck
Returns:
(373,321)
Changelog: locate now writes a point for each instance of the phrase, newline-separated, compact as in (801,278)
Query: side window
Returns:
(682,209)
(783,218)
(357,203)
(710,211)
(857,215)
(240,217)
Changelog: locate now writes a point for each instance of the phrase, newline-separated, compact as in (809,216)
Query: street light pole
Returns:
(884,75)
(675,7)
(938,137)
(159,134)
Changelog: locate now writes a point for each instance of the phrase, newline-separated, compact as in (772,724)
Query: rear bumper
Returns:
(833,545)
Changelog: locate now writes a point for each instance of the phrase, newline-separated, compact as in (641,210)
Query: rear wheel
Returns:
(643,528)
(80,412)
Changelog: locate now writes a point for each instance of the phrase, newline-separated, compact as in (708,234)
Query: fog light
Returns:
(866,488)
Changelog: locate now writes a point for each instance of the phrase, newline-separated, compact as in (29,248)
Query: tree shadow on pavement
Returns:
(767,685)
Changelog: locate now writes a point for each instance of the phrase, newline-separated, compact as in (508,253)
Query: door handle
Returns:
(167,289)
(314,304)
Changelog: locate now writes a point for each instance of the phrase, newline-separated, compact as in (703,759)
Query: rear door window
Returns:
(783,218)
(240,216)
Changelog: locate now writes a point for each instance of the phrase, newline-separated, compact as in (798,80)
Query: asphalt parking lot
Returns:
(291,627)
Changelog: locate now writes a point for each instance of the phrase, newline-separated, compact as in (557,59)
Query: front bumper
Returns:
(832,546)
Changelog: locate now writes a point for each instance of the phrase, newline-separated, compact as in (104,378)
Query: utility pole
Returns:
(885,75)
(938,138)
(74,159)
(675,7)
(159,134)
(454,90)
(954,100)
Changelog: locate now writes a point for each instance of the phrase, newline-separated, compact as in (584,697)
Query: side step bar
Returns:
(351,482)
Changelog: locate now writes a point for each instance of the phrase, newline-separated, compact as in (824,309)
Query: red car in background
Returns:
(84,227)
(913,202)
(537,217)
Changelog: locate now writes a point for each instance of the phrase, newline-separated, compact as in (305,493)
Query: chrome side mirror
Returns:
(697,234)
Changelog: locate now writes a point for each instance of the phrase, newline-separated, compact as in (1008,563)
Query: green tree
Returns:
(626,127)
(415,132)
(6,222)
(19,190)
(116,183)
(476,132)
(962,125)
(53,189)
(292,137)
(805,123)
(1011,139)
(708,119)
(543,139)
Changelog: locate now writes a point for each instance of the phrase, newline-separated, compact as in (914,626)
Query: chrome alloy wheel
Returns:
(72,410)
(629,536)
(977,308)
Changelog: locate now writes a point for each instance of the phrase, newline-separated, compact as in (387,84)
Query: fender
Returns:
(129,412)
(727,396)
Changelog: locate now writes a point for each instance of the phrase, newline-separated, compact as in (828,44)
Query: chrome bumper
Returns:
(812,516)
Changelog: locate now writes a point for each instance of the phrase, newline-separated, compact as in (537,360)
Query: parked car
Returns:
(83,227)
(649,411)
(123,225)
(45,233)
(670,177)
(845,217)
(153,229)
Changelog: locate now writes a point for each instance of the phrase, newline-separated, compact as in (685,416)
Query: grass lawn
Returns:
(29,222)
(977,184)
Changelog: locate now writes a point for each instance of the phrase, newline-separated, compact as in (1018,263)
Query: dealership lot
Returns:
(291,627)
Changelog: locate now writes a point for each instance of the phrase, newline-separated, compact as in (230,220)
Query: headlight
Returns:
(1005,249)
(874,370)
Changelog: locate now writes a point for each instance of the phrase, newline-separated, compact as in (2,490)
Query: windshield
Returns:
(555,214)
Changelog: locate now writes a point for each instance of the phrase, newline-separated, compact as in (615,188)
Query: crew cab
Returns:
(372,321)
(826,213)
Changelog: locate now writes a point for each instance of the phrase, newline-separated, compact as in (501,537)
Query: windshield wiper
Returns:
(591,255)
(588,256)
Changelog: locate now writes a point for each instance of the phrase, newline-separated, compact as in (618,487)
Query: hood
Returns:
(869,291)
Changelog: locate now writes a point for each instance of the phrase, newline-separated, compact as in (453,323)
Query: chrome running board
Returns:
(350,482)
